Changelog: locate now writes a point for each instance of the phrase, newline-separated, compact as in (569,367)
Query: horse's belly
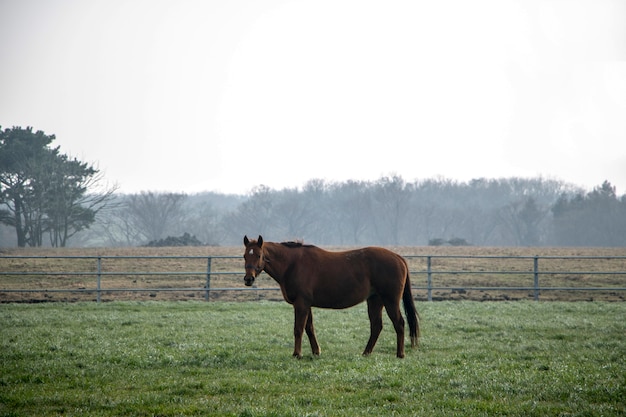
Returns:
(337,299)
(337,306)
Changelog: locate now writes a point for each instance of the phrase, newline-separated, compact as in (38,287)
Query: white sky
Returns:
(225,95)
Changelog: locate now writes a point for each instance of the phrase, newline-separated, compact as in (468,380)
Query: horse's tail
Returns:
(412,316)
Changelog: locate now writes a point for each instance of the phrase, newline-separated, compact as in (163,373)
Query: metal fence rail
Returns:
(457,272)
(536,288)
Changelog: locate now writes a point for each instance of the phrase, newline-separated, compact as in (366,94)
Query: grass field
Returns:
(234,359)
(473,272)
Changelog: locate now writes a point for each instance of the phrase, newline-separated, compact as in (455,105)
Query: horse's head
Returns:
(255,261)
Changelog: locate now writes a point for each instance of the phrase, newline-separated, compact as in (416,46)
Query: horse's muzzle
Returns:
(251,273)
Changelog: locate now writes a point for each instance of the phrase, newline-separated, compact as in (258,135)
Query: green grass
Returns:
(195,358)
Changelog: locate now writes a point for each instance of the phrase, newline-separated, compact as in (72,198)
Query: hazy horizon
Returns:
(225,96)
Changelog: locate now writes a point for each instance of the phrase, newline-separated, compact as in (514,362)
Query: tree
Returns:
(352,212)
(205,221)
(301,214)
(255,215)
(70,208)
(391,203)
(21,151)
(115,226)
(156,214)
(595,219)
(523,220)
(44,191)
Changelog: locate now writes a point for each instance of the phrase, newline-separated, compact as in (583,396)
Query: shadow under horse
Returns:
(312,277)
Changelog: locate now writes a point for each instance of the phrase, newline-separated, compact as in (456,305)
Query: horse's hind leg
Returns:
(393,311)
(310,331)
(375,313)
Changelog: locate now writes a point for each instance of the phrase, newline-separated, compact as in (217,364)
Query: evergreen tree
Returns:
(43,191)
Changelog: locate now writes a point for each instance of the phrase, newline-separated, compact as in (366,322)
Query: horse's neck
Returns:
(278,260)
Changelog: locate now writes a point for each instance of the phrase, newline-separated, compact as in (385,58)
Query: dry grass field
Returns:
(465,273)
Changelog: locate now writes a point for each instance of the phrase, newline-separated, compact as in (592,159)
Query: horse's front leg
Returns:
(302,313)
(310,331)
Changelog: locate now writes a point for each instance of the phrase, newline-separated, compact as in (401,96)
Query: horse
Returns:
(312,277)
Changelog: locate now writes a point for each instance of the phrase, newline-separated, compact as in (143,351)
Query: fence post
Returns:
(536,276)
(98,289)
(429,279)
(208,279)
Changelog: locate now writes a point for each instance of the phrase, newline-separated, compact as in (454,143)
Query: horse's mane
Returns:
(296,245)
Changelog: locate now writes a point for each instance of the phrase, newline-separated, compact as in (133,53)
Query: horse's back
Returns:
(380,260)
(378,266)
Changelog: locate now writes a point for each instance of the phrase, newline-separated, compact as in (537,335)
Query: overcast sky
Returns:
(223,95)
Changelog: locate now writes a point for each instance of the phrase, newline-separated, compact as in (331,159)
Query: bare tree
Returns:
(390,207)
(155,215)
(353,212)
(522,219)
(254,216)
(115,226)
(205,222)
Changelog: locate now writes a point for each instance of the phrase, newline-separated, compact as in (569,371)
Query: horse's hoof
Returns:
(297,355)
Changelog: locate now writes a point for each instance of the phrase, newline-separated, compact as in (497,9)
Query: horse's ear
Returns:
(260,241)
(246,240)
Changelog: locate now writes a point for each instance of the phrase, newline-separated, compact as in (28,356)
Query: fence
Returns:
(583,274)
(434,277)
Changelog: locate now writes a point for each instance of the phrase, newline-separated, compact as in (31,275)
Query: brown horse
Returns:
(312,277)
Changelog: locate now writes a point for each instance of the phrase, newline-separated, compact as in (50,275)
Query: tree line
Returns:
(48,198)
(388,211)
